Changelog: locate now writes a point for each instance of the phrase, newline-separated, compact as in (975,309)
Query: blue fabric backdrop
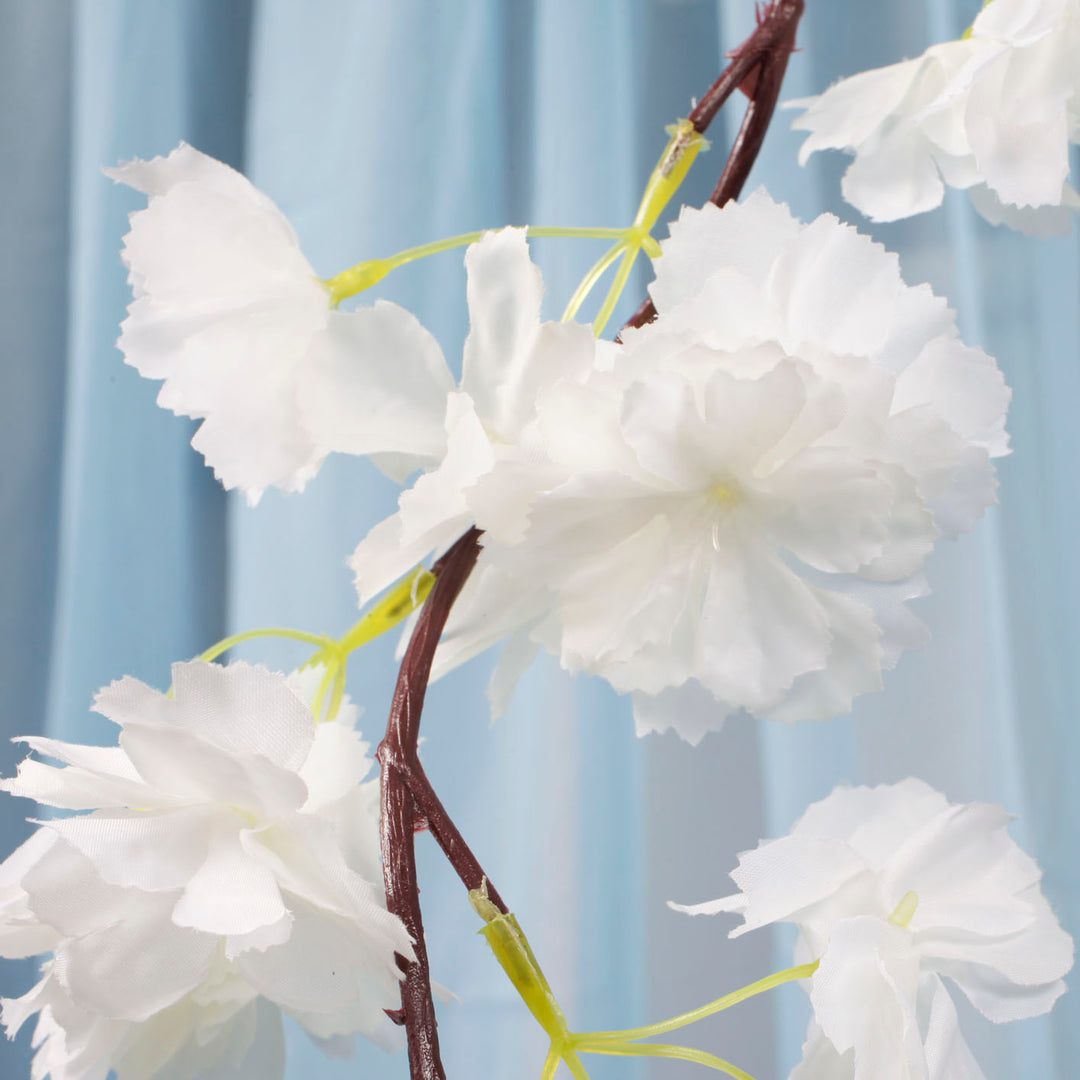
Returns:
(376,126)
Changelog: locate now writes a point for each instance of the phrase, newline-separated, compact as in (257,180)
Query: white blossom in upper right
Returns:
(894,889)
(730,511)
(993,112)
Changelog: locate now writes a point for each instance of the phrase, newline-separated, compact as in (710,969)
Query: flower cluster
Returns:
(892,889)
(994,113)
(223,868)
(728,509)
(724,510)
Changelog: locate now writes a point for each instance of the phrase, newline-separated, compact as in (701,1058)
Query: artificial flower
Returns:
(223,867)
(894,888)
(230,314)
(730,511)
(510,359)
(994,113)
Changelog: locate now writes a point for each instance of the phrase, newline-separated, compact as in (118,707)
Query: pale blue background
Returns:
(376,125)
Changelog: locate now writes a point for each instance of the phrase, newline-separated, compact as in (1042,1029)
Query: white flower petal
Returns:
(265,716)
(969,873)
(73,788)
(433,513)
(964,386)
(492,605)
(192,769)
(780,878)
(1041,222)
(156,850)
(137,967)
(850,111)
(746,234)
(836,288)
(375,381)
(1018,127)
(690,710)
(339,760)
(225,307)
(875,821)
(948,1056)
(323,967)
(65,890)
(853,666)
(130,699)
(761,627)
(307,861)
(231,893)
(864,996)
(955,478)
(821,1060)
(895,178)
(515,659)
(504,293)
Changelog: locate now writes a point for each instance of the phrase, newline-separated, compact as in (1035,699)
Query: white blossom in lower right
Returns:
(894,888)
(730,510)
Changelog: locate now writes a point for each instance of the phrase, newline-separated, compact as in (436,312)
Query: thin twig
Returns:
(408,798)
(760,62)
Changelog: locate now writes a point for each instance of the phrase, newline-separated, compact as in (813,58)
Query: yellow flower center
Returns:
(905,909)
(724,494)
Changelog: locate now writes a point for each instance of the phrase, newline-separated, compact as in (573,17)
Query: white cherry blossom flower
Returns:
(510,359)
(230,314)
(223,867)
(994,113)
(894,888)
(731,510)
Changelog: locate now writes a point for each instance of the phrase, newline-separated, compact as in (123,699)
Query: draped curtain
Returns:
(379,125)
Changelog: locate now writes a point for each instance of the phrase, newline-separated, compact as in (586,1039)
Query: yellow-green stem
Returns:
(573,1063)
(594,274)
(371,271)
(616,290)
(664,181)
(803,971)
(398,603)
(225,644)
(551,1063)
(681,1053)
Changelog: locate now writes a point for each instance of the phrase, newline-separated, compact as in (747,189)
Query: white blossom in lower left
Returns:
(227,870)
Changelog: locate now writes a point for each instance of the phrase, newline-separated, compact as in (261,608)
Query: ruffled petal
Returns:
(192,769)
(746,235)
(156,850)
(689,710)
(504,293)
(375,381)
(864,997)
(265,717)
(325,966)
(231,893)
(761,627)
(137,967)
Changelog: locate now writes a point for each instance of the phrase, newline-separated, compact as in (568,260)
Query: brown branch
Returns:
(408,799)
(407,790)
(758,63)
